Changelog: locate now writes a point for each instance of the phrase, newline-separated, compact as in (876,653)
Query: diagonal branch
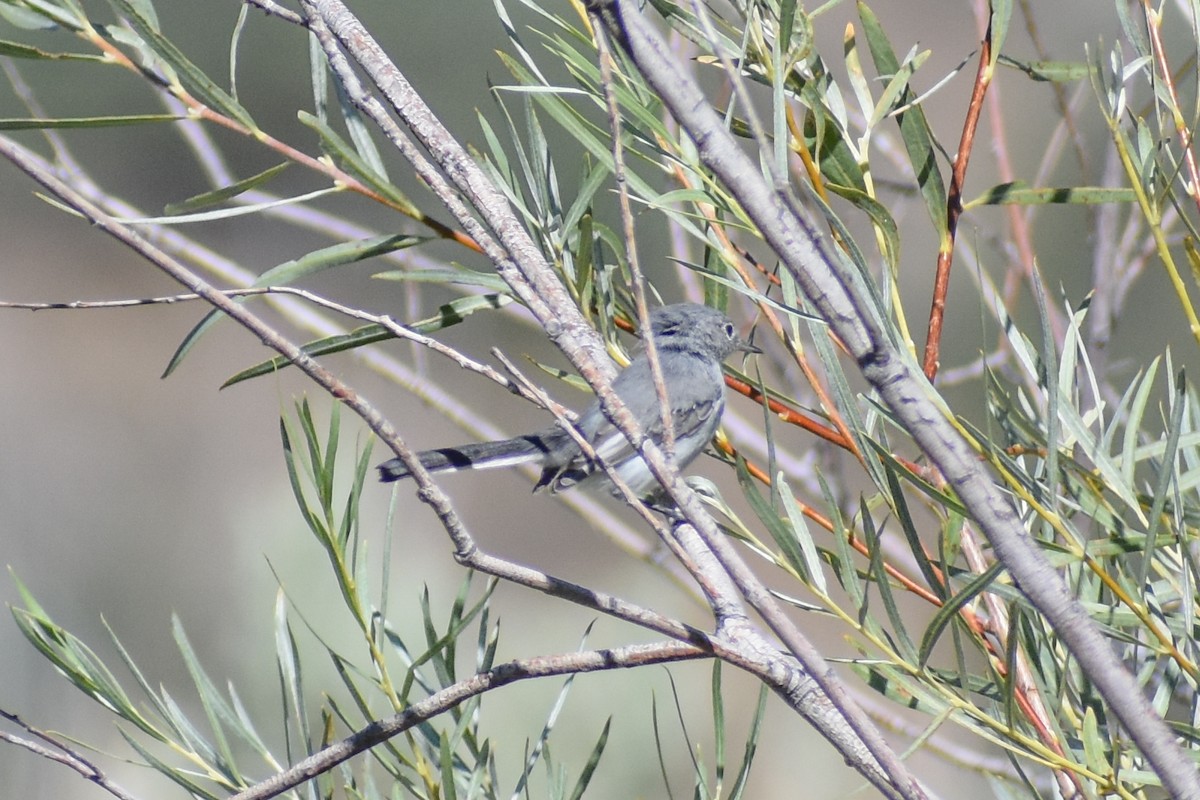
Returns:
(60,753)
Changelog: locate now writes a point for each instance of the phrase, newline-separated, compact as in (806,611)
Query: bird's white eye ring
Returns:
(729,330)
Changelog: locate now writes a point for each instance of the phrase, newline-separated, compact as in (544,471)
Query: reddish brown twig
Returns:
(941,281)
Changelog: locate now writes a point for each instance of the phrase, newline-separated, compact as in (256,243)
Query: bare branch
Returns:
(520,670)
(62,754)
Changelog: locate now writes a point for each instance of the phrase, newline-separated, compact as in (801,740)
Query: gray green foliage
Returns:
(1101,458)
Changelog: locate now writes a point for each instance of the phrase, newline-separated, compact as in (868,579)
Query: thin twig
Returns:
(638,280)
(170,299)
(274,9)
(62,754)
(386,322)
(954,207)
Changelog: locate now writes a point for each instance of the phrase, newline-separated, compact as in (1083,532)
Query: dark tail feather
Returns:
(484,455)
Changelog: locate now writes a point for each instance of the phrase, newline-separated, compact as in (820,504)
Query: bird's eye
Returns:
(729,330)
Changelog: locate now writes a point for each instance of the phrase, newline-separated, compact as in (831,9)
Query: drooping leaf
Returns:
(225,193)
(449,314)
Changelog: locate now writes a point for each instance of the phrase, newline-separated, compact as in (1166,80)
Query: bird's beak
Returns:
(746,347)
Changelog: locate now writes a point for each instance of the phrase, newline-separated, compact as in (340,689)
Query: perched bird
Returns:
(691,341)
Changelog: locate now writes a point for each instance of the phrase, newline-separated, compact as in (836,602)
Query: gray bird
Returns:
(692,340)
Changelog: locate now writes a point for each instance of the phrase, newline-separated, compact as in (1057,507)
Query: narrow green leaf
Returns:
(26,19)
(143,684)
(914,128)
(340,254)
(896,95)
(31,604)
(457,277)
(233,211)
(247,730)
(218,196)
(594,139)
(1019,194)
(435,643)
(353,163)
(560,701)
(1095,749)
(1133,24)
(1166,475)
(718,713)
(879,214)
(896,499)
(76,661)
(449,785)
(1001,17)
(813,569)
(318,78)
(414,676)
(1055,71)
(360,135)
(187,733)
(658,742)
(589,769)
(18,50)
(216,709)
(235,41)
(899,687)
(287,661)
(1141,388)
(19,124)
(826,140)
(902,641)
(68,13)
(740,287)
(778,529)
(640,106)
(953,605)
(175,774)
(347,673)
(581,205)
(756,723)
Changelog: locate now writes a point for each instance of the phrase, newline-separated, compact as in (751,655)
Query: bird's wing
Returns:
(694,413)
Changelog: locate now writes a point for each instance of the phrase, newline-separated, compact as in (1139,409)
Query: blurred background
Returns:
(126,499)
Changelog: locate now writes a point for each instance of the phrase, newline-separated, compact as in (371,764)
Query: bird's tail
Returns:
(483,455)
